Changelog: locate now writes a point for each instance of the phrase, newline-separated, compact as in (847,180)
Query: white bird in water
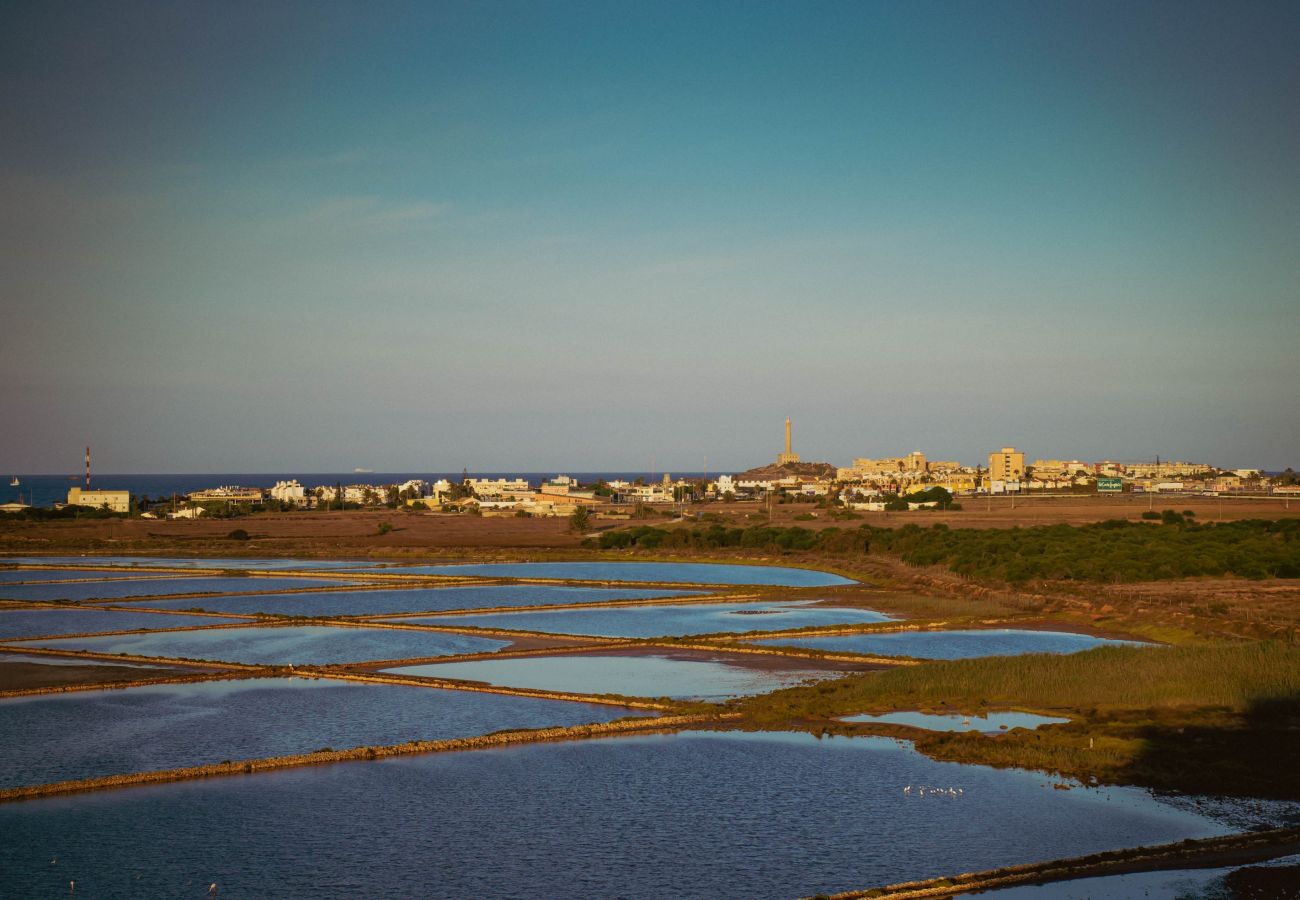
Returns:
(212,889)
(907,790)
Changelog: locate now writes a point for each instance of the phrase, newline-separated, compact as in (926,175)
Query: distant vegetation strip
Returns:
(1112,551)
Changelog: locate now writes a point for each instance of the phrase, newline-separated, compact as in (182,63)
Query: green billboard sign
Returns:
(1109,485)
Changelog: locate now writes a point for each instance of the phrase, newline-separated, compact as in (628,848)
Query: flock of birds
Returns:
(922,791)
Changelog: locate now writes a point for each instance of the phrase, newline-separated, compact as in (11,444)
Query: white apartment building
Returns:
(289,492)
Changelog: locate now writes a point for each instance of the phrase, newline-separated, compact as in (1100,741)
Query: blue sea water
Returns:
(45,490)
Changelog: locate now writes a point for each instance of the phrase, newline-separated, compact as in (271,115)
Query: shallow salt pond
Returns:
(379,602)
(684,815)
(949,644)
(15,623)
(189,562)
(656,621)
(10,576)
(286,645)
(631,676)
(1181,884)
(90,734)
(692,573)
(995,721)
(122,588)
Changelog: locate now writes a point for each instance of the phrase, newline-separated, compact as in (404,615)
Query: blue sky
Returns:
(307,237)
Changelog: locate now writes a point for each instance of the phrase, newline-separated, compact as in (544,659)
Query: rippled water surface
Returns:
(632,676)
(950,644)
(650,816)
(121,588)
(693,573)
(655,621)
(296,645)
(356,603)
(934,722)
(32,622)
(96,733)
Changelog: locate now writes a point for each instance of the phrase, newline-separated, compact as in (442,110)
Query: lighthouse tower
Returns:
(788,456)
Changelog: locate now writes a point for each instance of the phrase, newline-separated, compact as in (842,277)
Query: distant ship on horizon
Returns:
(360,471)
(13,482)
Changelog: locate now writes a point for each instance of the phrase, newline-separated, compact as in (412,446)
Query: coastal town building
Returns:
(498,488)
(227,494)
(289,492)
(114,501)
(1007,465)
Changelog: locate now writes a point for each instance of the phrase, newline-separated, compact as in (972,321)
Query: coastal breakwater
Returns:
(1229,850)
(662,724)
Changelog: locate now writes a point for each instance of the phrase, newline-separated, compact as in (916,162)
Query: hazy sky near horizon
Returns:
(531,236)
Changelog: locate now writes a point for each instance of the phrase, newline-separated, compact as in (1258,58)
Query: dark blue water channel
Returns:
(85,735)
(692,573)
(692,815)
(949,644)
(656,621)
(120,588)
(286,645)
(360,603)
(32,622)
